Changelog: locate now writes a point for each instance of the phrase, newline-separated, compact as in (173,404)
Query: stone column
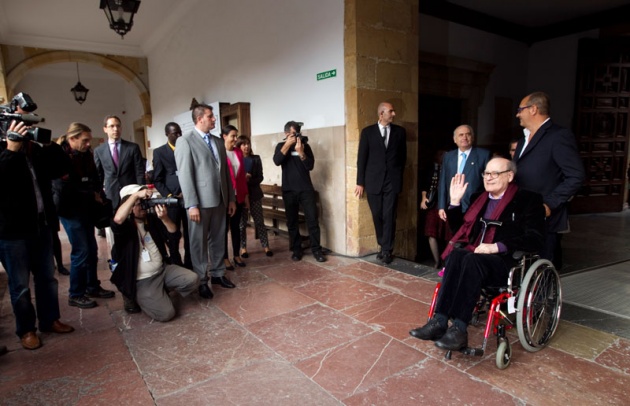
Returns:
(381,64)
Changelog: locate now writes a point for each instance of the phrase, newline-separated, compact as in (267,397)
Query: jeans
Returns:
(20,258)
(83,276)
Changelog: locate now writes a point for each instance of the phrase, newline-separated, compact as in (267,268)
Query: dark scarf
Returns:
(472,216)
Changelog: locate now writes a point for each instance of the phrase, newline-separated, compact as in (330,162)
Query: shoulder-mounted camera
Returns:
(9,112)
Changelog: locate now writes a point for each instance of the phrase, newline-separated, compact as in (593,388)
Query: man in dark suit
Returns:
(119,162)
(548,163)
(167,183)
(208,194)
(486,262)
(464,159)
(380,165)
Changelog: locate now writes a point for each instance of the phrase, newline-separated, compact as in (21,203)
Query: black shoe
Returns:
(319,257)
(239,262)
(223,281)
(453,340)
(228,267)
(269,253)
(244,254)
(297,256)
(379,255)
(81,302)
(387,259)
(63,271)
(430,331)
(205,292)
(130,305)
(100,293)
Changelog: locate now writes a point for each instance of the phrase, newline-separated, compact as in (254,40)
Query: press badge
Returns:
(294,153)
(145,255)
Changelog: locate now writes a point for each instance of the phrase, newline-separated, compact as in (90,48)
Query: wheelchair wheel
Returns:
(539,304)
(504,353)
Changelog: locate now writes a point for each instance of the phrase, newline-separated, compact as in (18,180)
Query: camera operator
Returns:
(26,206)
(139,252)
(296,158)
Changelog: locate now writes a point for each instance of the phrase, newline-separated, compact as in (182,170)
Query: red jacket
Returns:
(239,181)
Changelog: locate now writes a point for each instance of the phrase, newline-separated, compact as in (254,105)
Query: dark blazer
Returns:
(522,228)
(165,171)
(475,163)
(551,165)
(130,171)
(253,183)
(375,164)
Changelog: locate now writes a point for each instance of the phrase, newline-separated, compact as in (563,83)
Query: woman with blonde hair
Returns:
(78,192)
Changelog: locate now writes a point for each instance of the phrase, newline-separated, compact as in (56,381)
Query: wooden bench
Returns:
(273,209)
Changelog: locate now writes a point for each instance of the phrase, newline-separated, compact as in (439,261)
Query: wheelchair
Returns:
(531,301)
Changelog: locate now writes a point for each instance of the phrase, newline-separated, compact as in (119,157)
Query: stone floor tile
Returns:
(255,303)
(274,383)
(580,341)
(342,292)
(356,366)
(294,274)
(431,383)
(617,356)
(304,332)
(365,271)
(409,285)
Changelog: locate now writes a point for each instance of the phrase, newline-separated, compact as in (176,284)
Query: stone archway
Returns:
(35,58)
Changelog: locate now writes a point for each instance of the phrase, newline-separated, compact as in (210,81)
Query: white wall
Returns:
(49,87)
(265,52)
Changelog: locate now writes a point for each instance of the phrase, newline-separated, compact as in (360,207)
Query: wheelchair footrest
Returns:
(477,352)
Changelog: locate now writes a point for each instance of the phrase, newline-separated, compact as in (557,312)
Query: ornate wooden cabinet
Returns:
(601,124)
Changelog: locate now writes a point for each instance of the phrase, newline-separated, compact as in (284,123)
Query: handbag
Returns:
(102,213)
(432,196)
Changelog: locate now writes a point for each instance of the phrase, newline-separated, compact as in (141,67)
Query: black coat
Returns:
(253,183)
(375,164)
(130,171)
(165,171)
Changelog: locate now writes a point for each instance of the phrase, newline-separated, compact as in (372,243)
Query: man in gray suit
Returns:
(208,192)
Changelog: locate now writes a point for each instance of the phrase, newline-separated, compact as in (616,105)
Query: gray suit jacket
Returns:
(204,183)
(130,170)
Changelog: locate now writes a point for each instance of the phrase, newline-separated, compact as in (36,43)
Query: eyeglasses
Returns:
(493,175)
(520,109)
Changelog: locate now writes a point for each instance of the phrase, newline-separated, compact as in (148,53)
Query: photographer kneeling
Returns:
(139,251)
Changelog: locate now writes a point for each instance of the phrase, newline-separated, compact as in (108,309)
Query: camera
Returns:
(303,138)
(9,113)
(148,204)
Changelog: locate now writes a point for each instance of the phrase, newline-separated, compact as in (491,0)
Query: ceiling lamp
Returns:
(120,14)
(80,92)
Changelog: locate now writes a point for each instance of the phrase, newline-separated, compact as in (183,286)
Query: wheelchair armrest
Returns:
(518,255)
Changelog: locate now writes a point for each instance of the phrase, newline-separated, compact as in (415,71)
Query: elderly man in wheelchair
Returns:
(501,221)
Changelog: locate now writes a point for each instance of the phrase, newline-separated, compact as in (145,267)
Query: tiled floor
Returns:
(297,334)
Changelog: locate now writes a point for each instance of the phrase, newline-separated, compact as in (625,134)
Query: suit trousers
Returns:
(465,274)
(207,242)
(383,206)
(152,296)
(178,215)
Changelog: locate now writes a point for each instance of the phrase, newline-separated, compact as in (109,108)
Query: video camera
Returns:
(8,113)
(148,204)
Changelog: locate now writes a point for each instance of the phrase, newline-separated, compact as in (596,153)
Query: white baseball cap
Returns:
(130,189)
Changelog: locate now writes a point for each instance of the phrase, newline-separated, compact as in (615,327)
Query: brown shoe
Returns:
(30,341)
(59,328)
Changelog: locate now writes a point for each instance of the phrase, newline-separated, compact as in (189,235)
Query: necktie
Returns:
(385,136)
(115,154)
(463,163)
(208,141)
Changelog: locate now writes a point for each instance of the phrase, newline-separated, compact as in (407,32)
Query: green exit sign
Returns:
(327,75)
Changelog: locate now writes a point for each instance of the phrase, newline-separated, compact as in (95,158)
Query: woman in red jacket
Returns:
(237,171)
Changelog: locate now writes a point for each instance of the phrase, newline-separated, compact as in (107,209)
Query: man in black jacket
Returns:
(486,258)
(139,250)
(167,183)
(26,208)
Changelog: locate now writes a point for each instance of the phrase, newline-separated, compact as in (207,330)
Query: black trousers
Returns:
(234,228)
(292,202)
(465,274)
(178,215)
(383,206)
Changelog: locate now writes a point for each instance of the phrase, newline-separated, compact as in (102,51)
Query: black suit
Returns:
(130,168)
(551,165)
(522,228)
(167,183)
(380,171)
